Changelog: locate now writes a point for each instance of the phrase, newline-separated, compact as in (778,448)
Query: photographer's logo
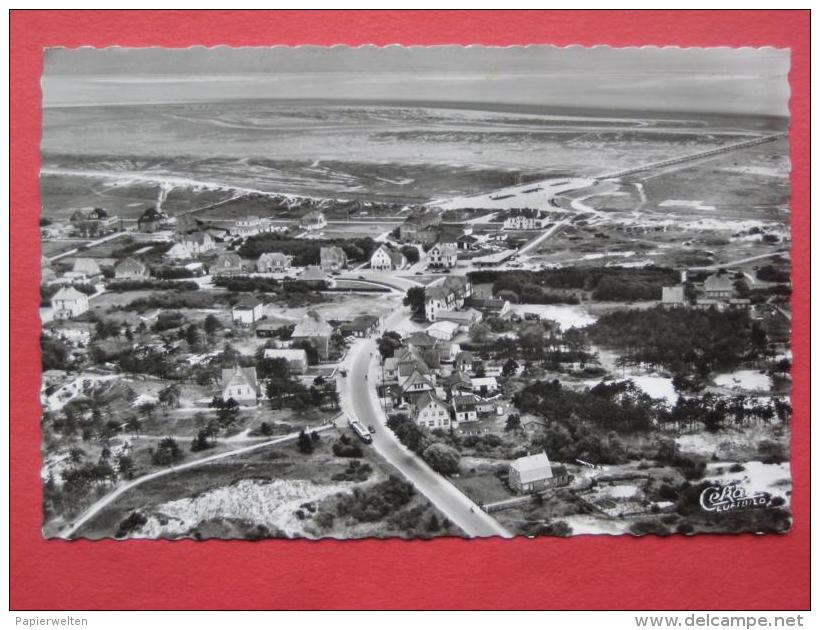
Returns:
(730,497)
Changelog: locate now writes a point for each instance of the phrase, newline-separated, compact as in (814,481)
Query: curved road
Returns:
(109,498)
(358,396)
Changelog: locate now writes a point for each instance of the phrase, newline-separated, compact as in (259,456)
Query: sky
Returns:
(713,80)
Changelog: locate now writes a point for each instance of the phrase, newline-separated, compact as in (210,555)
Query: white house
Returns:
(313,221)
(386,258)
(240,384)
(442,330)
(523,220)
(246,226)
(484,385)
(431,412)
(530,473)
(673,296)
(296,357)
(68,302)
(443,255)
(247,311)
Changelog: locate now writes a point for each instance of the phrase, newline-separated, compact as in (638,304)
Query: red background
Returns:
(704,572)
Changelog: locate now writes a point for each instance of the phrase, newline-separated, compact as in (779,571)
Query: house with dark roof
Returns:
(248,310)
(362,326)
(152,220)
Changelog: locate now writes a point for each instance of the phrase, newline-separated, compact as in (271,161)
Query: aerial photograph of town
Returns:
(415,292)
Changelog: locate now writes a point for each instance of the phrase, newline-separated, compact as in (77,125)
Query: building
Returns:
(85,269)
(296,358)
(530,474)
(718,287)
(489,307)
(68,302)
(464,363)
(240,384)
(442,330)
(332,258)
(248,310)
(463,319)
(466,242)
(386,258)
(673,296)
(228,264)
(430,411)
(523,220)
(410,231)
(465,408)
(273,262)
(314,220)
(190,245)
(94,222)
(315,276)
(362,326)
(443,255)
(131,269)
(152,220)
(314,329)
(246,226)
(484,385)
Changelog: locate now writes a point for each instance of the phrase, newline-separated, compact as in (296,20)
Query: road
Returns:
(534,243)
(89,245)
(742,261)
(112,496)
(358,396)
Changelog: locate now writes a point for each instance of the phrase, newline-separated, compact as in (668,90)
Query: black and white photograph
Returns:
(413,292)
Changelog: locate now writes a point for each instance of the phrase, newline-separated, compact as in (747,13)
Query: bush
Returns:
(345,447)
(442,458)
(131,523)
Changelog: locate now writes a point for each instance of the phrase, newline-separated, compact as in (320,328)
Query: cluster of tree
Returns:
(684,341)
(305,252)
(617,406)
(306,443)
(345,446)
(534,341)
(717,412)
(370,505)
(770,273)
(356,471)
(414,298)
(148,284)
(283,390)
(164,272)
(166,453)
(178,299)
(441,455)
(605,283)
(388,343)
(54,353)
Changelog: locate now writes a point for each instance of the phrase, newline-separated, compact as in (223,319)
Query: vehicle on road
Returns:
(359,429)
